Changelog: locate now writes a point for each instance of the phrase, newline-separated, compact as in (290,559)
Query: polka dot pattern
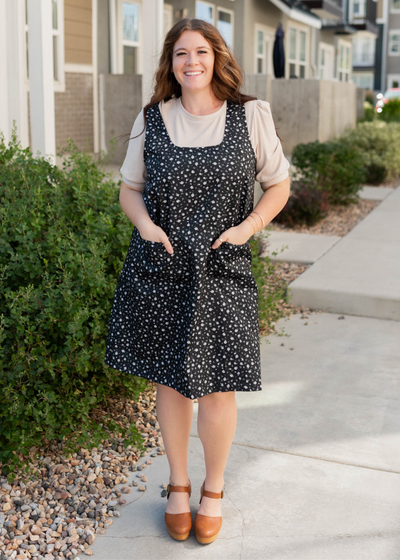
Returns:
(190,320)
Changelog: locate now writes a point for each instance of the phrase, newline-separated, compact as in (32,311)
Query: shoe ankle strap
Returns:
(174,488)
(208,494)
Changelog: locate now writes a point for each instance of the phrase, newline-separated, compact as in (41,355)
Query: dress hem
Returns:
(192,397)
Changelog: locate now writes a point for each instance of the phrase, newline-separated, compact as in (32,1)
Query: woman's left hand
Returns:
(237,235)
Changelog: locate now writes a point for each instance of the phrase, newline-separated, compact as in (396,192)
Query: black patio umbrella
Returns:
(279,53)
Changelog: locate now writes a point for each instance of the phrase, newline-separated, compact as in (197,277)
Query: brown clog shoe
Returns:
(207,527)
(179,524)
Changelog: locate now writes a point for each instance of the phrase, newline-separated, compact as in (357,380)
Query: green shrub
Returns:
(63,241)
(304,206)
(377,144)
(390,111)
(332,167)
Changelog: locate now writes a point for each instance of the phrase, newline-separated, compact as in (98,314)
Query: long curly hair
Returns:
(227,78)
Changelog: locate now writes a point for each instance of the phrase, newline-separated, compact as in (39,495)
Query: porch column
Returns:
(41,80)
(4,125)
(15,69)
(153,25)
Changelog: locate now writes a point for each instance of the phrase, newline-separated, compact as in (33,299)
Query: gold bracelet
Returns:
(255,221)
(260,217)
(251,226)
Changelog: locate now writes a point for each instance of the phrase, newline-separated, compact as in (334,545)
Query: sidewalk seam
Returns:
(311,457)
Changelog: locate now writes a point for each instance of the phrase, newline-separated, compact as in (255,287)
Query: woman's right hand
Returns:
(157,234)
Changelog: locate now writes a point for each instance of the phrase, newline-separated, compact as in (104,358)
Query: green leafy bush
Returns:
(377,145)
(332,167)
(63,241)
(390,111)
(304,206)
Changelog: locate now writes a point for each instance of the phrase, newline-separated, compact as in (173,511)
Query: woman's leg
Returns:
(174,415)
(216,426)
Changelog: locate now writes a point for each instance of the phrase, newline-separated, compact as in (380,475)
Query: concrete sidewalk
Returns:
(360,274)
(314,471)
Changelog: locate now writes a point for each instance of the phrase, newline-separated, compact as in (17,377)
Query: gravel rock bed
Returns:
(339,221)
(68,500)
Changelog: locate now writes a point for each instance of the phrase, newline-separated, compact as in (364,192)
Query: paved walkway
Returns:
(359,273)
(314,470)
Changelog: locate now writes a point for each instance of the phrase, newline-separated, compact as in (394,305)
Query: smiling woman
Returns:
(185,311)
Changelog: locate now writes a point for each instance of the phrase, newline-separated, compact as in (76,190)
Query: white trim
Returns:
(343,69)
(96,124)
(352,17)
(120,41)
(297,15)
(296,61)
(4,124)
(79,68)
(16,73)
(232,14)
(328,49)
(41,73)
(268,36)
(393,10)
(112,16)
(391,77)
(393,32)
(212,6)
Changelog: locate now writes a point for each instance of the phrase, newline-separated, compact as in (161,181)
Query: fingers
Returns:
(168,246)
(217,243)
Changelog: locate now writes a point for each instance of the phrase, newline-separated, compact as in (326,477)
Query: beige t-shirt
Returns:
(187,130)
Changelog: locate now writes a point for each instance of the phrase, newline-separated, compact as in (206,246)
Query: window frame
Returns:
(342,69)
(59,84)
(354,16)
(392,9)
(268,35)
(390,42)
(124,42)
(361,41)
(296,61)
(326,47)
(212,6)
(232,14)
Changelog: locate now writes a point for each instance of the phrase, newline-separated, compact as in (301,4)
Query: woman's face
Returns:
(193,61)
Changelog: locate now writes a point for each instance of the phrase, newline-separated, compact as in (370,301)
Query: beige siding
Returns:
(78,31)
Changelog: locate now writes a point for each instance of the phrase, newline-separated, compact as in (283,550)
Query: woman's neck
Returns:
(200,103)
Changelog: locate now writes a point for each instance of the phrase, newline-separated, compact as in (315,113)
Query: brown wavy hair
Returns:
(228,75)
(227,79)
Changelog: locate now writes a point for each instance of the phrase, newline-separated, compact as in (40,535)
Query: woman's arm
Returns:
(133,206)
(269,205)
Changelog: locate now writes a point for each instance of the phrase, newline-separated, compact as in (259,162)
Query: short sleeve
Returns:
(272,166)
(133,170)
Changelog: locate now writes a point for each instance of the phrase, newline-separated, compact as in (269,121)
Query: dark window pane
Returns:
(130,63)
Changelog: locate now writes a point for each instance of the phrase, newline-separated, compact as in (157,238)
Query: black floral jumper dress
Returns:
(190,320)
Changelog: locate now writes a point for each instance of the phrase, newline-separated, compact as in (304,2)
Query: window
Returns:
(130,37)
(395,6)
(57,18)
(364,80)
(344,62)
(393,81)
(326,56)
(205,11)
(225,25)
(363,51)
(297,53)
(394,42)
(264,40)
(359,8)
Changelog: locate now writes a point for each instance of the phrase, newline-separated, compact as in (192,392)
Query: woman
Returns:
(185,311)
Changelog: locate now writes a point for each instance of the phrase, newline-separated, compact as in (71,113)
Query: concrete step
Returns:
(296,247)
(360,274)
